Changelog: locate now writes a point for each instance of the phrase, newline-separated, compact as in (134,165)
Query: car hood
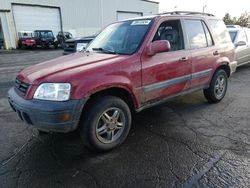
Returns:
(38,73)
(79,39)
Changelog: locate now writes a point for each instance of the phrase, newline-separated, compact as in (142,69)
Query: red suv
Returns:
(131,65)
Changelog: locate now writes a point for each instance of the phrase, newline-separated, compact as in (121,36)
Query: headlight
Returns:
(53,92)
(81,46)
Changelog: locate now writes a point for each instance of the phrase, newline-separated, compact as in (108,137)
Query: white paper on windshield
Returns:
(141,22)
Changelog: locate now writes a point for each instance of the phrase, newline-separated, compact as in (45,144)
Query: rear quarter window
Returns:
(219,28)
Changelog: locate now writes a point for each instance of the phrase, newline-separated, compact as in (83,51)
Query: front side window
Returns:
(121,38)
(171,31)
(196,34)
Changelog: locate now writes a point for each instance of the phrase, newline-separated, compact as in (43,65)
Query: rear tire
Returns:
(106,123)
(218,87)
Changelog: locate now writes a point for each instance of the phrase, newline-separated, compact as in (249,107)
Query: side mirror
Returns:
(240,43)
(158,46)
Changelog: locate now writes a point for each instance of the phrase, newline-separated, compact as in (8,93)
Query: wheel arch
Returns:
(224,66)
(117,91)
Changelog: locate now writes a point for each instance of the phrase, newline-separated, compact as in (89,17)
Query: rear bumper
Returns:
(47,116)
(233,66)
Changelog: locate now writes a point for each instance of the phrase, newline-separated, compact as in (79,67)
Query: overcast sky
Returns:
(217,7)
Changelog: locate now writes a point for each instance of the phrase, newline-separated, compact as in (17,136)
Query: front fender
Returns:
(92,86)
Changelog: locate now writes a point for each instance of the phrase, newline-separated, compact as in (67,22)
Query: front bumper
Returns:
(47,116)
(68,52)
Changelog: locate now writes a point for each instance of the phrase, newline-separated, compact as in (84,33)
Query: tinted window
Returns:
(171,31)
(220,30)
(208,35)
(242,36)
(196,34)
(233,35)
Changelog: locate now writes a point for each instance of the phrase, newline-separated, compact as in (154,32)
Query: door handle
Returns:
(183,59)
(215,53)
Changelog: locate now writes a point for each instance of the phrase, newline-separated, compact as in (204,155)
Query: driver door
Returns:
(168,73)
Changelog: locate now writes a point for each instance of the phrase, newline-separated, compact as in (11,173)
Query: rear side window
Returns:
(208,35)
(220,30)
(198,34)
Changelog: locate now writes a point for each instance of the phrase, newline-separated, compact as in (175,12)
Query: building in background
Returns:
(80,17)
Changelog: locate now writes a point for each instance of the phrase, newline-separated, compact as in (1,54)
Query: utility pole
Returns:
(101,1)
(205,6)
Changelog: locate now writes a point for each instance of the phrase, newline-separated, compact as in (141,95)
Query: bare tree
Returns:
(243,20)
(228,20)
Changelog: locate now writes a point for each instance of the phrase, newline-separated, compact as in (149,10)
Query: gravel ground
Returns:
(183,143)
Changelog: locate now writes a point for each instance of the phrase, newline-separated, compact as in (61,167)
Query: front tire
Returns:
(218,87)
(106,124)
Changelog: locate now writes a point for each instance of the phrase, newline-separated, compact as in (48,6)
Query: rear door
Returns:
(168,73)
(204,52)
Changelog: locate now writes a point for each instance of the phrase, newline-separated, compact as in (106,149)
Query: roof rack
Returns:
(186,13)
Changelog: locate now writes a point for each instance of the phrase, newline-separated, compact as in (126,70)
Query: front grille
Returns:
(69,46)
(21,86)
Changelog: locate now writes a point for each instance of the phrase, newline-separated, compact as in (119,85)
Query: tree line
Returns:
(243,20)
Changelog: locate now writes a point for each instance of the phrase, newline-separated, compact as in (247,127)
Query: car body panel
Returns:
(149,79)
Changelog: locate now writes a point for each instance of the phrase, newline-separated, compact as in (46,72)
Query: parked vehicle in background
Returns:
(241,39)
(76,44)
(130,66)
(45,38)
(26,39)
(62,37)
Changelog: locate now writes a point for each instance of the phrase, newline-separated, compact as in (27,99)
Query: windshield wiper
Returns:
(105,50)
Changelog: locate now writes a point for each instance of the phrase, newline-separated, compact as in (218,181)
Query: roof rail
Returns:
(186,13)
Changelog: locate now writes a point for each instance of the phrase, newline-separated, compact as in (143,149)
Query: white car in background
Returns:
(241,38)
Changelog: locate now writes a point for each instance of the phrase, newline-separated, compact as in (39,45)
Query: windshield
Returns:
(121,38)
(233,35)
(46,34)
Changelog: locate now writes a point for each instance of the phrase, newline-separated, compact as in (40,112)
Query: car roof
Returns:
(174,14)
(234,29)
(42,31)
